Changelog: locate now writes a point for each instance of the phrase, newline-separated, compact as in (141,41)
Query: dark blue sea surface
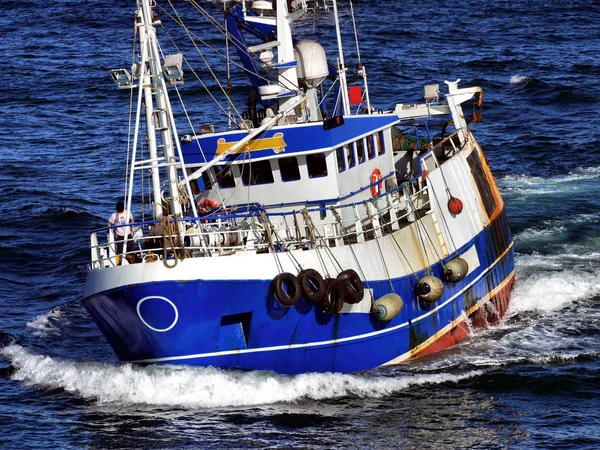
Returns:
(533,381)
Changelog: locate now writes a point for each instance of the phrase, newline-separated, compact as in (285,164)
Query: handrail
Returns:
(210,238)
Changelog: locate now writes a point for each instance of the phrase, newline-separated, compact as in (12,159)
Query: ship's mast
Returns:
(288,76)
(341,62)
(145,84)
(163,110)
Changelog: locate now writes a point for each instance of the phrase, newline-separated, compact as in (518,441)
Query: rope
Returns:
(298,232)
(311,239)
(263,217)
(419,222)
(313,229)
(280,241)
(171,229)
(239,45)
(387,273)
(344,236)
(190,34)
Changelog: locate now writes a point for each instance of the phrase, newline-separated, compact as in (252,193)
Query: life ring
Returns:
(208,205)
(286,289)
(376,178)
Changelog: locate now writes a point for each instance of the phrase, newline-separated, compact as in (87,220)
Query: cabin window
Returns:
(316,165)
(225,177)
(360,151)
(288,168)
(257,172)
(380,141)
(350,155)
(207,180)
(341,162)
(370,147)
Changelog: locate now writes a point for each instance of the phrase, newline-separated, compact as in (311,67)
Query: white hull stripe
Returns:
(346,339)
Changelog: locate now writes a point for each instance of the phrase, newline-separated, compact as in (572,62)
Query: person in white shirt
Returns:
(122,217)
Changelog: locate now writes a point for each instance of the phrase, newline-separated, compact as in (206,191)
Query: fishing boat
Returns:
(315,232)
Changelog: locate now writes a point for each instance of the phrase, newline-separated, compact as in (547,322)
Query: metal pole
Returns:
(341,63)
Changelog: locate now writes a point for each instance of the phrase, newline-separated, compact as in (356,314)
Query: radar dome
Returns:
(312,63)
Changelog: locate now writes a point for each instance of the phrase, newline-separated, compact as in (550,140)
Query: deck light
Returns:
(172,69)
(432,93)
(122,78)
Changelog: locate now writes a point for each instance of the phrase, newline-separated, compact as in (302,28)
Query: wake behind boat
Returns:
(317,233)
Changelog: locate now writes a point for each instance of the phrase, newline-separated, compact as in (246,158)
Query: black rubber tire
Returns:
(353,290)
(333,301)
(286,289)
(312,285)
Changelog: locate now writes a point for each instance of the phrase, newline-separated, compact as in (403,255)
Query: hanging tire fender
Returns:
(352,287)
(286,289)
(333,300)
(312,285)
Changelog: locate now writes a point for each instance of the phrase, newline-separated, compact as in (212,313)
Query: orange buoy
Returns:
(455,206)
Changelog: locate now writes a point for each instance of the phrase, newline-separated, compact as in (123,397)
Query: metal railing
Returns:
(262,229)
(274,228)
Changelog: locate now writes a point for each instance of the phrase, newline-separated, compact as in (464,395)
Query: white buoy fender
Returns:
(387,307)
(455,270)
(429,289)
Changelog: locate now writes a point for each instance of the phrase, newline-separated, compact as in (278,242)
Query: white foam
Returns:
(558,182)
(44,323)
(553,290)
(191,387)
(518,79)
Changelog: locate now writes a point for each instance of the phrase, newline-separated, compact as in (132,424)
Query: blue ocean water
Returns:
(531,382)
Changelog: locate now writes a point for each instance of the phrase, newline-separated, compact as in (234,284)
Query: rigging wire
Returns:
(424,231)
(228,90)
(387,273)
(239,45)
(346,239)
(205,62)
(355,33)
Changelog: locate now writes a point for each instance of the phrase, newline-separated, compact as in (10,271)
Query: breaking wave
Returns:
(519,79)
(194,387)
(46,323)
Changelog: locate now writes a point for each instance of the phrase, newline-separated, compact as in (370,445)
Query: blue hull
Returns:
(238,324)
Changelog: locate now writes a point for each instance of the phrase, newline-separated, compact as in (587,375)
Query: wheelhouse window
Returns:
(257,172)
(225,177)
(370,147)
(207,178)
(350,155)
(316,165)
(288,168)
(379,139)
(360,151)
(341,161)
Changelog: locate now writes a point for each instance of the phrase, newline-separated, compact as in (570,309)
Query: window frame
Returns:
(362,150)
(295,158)
(340,156)
(322,156)
(249,165)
